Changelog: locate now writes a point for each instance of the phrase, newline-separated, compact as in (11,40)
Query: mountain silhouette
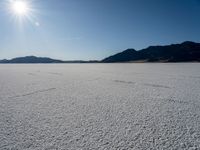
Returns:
(184,52)
(31,59)
(34,59)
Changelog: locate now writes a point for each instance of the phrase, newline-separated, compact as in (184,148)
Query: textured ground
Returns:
(100,106)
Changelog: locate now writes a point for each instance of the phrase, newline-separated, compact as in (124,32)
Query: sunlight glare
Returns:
(20,7)
(22,11)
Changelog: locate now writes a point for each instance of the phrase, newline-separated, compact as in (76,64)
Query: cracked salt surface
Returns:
(100,106)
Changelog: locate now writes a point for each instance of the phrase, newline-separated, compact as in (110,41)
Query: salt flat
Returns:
(100,106)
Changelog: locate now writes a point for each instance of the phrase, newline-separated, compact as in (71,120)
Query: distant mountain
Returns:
(184,52)
(31,59)
(34,59)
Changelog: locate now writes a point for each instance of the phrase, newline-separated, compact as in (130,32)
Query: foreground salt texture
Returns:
(100,106)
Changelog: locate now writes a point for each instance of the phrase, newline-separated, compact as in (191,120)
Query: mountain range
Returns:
(34,59)
(184,52)
(31,59)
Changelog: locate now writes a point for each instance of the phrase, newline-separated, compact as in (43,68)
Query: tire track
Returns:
(32,93)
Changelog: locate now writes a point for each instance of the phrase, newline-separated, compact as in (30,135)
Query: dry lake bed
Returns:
(100,106)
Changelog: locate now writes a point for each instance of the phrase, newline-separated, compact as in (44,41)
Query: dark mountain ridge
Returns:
(34,59)
(31,59)
(184,52)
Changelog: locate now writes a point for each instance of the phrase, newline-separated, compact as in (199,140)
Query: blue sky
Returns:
(94,29)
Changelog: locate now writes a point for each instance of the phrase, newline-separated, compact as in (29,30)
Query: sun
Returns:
(22,11)
(20,7)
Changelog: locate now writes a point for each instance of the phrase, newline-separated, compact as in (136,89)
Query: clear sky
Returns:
(94,29)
